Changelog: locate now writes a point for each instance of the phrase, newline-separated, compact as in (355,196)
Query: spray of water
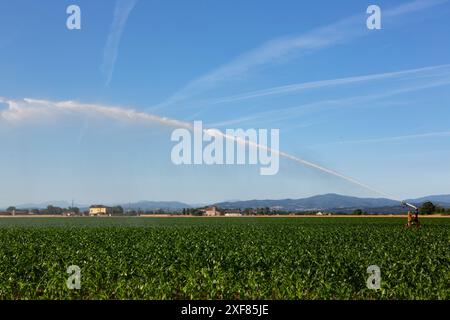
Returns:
(32,109)
(300,161)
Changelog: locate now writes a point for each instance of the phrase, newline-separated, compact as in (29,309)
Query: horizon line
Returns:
(212,202)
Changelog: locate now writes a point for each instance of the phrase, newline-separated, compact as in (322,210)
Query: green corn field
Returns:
(223,258)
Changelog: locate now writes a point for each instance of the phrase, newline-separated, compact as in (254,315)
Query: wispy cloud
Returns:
(432,71)
(425,135)
(283,47)
(412,6)
(122,11)
(277,114)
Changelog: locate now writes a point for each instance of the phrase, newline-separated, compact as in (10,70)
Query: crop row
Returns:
(225,259)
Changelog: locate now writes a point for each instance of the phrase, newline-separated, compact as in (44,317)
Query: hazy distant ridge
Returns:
(330,201)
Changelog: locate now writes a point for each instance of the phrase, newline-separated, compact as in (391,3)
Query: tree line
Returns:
(427,208)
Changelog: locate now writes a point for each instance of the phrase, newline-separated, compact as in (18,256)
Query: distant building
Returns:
(16,212)
(212,212)
(323,214)
(232,213)
(99,210)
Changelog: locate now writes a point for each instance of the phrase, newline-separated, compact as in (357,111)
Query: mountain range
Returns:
(330,202)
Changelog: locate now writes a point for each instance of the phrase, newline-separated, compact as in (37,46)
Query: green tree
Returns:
(358,212)
(427,208)
(440,209)
(74,209)
(54,210)
(11,209)
(117,210)
(195,212)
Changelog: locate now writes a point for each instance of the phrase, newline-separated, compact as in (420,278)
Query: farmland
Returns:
(223,258)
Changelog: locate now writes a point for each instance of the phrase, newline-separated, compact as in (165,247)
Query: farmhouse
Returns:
(99,210)
(232,213)
(212,212)
(323,214)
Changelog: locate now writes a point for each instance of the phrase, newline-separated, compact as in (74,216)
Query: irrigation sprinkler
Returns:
(409,205)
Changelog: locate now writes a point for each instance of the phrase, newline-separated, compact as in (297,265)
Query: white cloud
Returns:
(412,6)
(431,71)
(439,80)
(282,47)
(425,135)
(122,11)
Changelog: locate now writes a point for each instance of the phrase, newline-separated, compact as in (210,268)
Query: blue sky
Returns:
(371,104)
